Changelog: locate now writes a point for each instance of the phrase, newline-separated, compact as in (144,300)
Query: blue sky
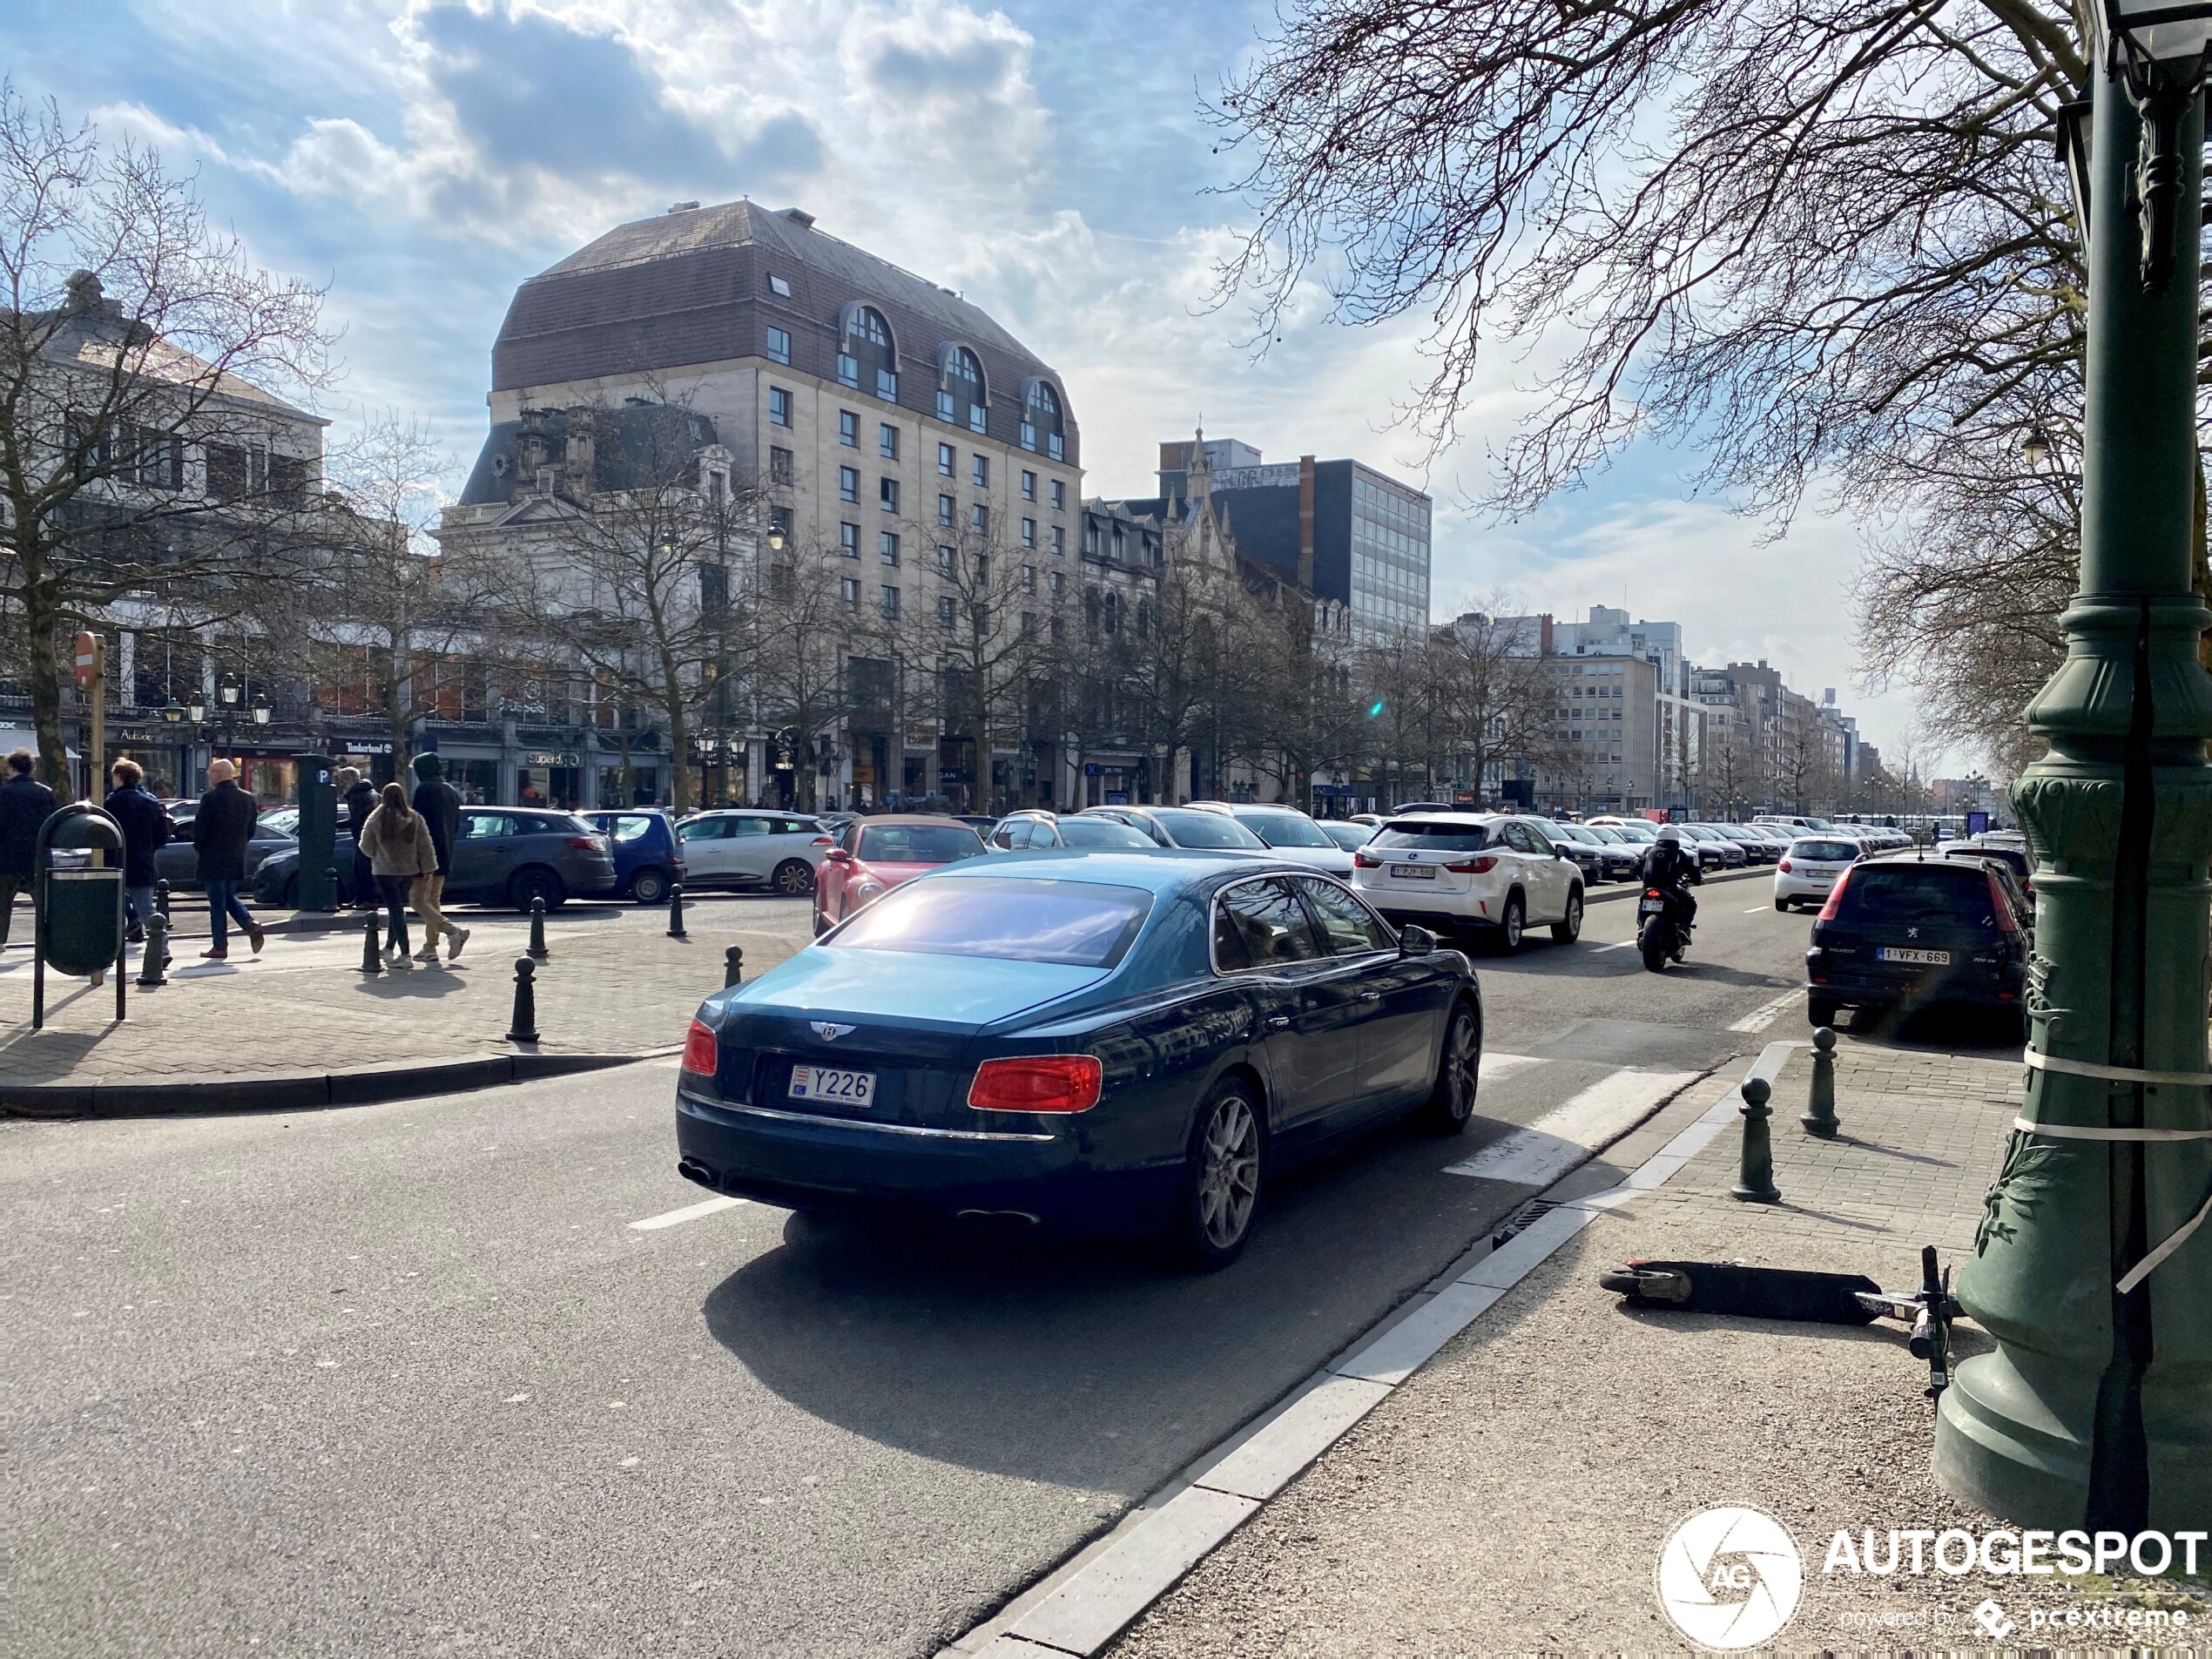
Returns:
(1047,158)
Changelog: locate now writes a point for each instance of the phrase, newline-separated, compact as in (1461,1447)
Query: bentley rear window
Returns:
(1081,924)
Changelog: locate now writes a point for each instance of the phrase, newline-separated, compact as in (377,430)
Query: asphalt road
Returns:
(405,1379)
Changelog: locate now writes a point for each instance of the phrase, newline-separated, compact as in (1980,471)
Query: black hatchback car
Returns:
(1907,933)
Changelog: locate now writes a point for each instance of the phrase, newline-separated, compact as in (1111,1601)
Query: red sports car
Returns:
(874,855)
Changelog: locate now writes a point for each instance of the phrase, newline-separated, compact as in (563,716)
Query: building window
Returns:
(1056,446)
(944,560)
(944,406)
(1029,435)
(1028,532)
(779,467)
(945,511)
(848,540)
(779,346)
(975,418)
(1059,538)
(1028,485)
(886,492)
(979,519)
(848,370)
(886,543)
(959,383)
(889,603)
(887,386)
(848,589)
(887,441)
(1057,628)
(1060,494)
(780,523)
(779,406)
(777,286)
(848,485)
(1029,578)
(979,471)
(946,610)
(948,459)
(848,429)
(1053,580)
(1029,622)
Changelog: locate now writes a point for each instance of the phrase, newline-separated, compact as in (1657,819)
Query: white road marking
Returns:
(1625,944)
(690,1212)
(1563,1138)
(1496,1066)
(1766,1015)
(1755,910)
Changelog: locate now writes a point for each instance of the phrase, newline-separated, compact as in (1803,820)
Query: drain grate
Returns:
(1520,1220)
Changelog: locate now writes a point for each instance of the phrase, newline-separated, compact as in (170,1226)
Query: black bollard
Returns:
(161,898)
(157,953)
(372,948)
(732,966)
(675,910)
(523,1027)
(1820,1117)
(1755,1174)
(538,951)
(331,871)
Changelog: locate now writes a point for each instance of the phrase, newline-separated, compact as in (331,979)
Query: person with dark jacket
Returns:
(219,832)
(146,830)
(1670,867)
(358,796)
(439,804)
(25,805)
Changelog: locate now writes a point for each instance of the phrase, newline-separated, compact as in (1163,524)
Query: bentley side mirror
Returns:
(1415,942)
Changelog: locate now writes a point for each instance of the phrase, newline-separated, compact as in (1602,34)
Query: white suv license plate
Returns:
(1932,958)
(1412,873)
(826,1082)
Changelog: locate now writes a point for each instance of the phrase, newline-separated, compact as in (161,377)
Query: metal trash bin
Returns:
(78,910)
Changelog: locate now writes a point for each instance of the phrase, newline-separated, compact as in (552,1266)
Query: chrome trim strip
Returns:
(849,1122)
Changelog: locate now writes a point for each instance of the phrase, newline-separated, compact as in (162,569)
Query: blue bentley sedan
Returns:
(1104,1042)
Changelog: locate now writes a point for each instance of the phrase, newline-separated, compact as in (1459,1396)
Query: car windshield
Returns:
(283,819)
(920,843)
(1915,892)
(1284,829)
(1441,838)
(1352,837)
(1643,834)
(1205,829)
(1101,832)
(1824,851)
(1081,924)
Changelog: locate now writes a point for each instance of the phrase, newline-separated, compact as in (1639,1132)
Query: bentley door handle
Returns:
(1371,996)
(1277,1021)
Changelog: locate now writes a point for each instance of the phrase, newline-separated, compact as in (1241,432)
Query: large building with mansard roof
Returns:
(882,414)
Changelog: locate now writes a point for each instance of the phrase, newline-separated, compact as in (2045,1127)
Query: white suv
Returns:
(1486,870)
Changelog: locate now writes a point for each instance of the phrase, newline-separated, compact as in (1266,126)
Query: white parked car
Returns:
(747,847)
(1346,834)
(1808,871)
(1286,831)
(1499,873)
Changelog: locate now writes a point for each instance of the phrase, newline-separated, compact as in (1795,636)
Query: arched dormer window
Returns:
(962,397)
(1041,419)
(867,355)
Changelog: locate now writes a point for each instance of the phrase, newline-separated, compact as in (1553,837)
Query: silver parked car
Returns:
(749,847)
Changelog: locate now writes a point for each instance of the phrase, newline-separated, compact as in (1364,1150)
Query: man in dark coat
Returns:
(146,830)
(357,795)
(219,832)
(439,804)
(25,805)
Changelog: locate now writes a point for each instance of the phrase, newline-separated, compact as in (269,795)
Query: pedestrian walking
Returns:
(440,805)
(25,805)
(220,830)
(400,853)
(146,829)
(359,796)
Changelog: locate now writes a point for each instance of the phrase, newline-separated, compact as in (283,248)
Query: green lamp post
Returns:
(2096,1409)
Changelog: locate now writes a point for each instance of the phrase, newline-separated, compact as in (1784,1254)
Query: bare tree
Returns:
(1502,703)
(143,447)
(991,632)
(805,613)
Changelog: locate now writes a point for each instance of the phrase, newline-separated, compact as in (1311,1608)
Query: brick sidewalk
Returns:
(612,986)
(1513,1495)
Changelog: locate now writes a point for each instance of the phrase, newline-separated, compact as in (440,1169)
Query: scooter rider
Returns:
(1672,868)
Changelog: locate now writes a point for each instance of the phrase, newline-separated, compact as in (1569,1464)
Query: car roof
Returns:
(1162,870)
(1446,817)
(939,820)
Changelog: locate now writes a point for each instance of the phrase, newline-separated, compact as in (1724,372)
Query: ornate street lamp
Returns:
(198,708)
(261,710)
(2035,448)
(2091,1266)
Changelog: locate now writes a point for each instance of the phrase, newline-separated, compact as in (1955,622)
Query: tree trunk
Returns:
(44,671)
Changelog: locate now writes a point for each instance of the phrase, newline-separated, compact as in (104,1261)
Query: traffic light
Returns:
(1375,709)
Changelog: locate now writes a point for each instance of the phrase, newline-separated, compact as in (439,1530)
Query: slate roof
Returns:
(691,287)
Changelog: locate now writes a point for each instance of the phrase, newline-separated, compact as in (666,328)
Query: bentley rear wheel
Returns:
(1220,1194)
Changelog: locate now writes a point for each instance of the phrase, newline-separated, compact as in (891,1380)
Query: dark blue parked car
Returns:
(648,857)
(1109,1042)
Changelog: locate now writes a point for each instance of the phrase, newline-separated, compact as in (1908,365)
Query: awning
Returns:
(13,738)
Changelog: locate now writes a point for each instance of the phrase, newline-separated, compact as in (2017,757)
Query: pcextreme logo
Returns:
(1729,1578)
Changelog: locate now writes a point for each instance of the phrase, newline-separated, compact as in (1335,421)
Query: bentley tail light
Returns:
(699,1053)
(1050,1082)
(1482,866)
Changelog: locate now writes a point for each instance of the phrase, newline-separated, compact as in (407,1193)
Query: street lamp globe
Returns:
(261,710)
(197,707)
(2035,448)
(228,692)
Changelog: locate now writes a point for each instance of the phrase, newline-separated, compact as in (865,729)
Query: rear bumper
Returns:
(804,1162)
(1859,987)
